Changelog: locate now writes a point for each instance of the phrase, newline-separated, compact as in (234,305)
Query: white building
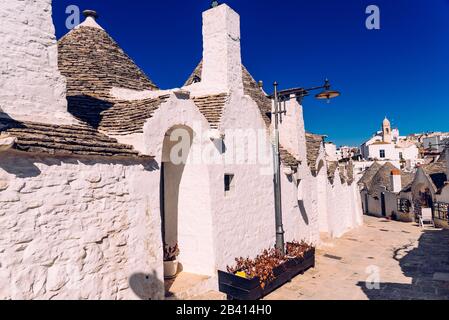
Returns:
(347,153)
(387,145)
(436,142)
(387,191)
(90,194)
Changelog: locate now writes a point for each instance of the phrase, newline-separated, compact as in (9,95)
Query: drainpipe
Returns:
(280,243)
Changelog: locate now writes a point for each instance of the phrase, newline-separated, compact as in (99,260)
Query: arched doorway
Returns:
(185,202)
(422,198)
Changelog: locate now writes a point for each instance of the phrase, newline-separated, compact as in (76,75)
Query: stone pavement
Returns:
(396,260)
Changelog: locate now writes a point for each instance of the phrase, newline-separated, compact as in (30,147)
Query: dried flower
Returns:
(264,264)
(170,253)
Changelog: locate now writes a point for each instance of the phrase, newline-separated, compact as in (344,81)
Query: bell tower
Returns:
(386,131)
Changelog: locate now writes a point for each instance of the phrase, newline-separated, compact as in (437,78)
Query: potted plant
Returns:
(170,261)
(252,279)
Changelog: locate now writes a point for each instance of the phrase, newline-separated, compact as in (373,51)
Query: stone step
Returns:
(211,296)
(188,285)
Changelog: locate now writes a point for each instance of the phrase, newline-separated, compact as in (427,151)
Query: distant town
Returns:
(387,145)
(400,176)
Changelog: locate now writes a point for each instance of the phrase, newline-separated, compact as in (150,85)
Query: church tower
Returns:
(386,131)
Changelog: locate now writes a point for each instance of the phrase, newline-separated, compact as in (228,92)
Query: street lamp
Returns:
(327,93)
(279,96)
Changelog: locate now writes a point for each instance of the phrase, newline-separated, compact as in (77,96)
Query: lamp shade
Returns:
(328,94)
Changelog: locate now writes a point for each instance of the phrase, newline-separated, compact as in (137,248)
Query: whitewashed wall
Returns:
(373,205)
(78,229)
(337,208)
(344,207)
(300,207)
(195,219)
(390,151)
(322,194)
(391,203)
(244,219)
(31,87)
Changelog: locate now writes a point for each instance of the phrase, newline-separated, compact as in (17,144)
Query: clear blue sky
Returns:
(400,71)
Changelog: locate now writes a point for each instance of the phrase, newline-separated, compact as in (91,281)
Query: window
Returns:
(228,183)
(382,153)
(441,211)
(401,155)
(404,205)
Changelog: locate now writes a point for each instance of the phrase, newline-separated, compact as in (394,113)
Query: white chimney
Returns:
(396,180)
(222,61)
(31,86)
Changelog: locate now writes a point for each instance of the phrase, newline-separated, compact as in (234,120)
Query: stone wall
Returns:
(31,87)
(78,229)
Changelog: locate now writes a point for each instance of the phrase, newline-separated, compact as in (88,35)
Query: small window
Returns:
(401,155)
(228,182)
(382,153)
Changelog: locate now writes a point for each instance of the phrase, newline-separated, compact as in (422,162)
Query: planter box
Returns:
(238,288)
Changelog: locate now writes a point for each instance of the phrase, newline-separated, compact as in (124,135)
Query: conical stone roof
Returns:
(369,174)
(382,177)
(93,63)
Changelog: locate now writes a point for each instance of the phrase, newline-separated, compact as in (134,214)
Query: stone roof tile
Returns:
(114,117)
(72,140)
(313,143)
(369,174)
(93,63)
(437,173)
(332,166)
(212,108)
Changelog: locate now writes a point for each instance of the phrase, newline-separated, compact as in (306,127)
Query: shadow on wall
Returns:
(87,109)
(4,115)
(303,211)
(301,206)
(427,265)
(146,286)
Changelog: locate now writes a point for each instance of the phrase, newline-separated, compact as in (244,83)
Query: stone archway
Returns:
(185,202)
